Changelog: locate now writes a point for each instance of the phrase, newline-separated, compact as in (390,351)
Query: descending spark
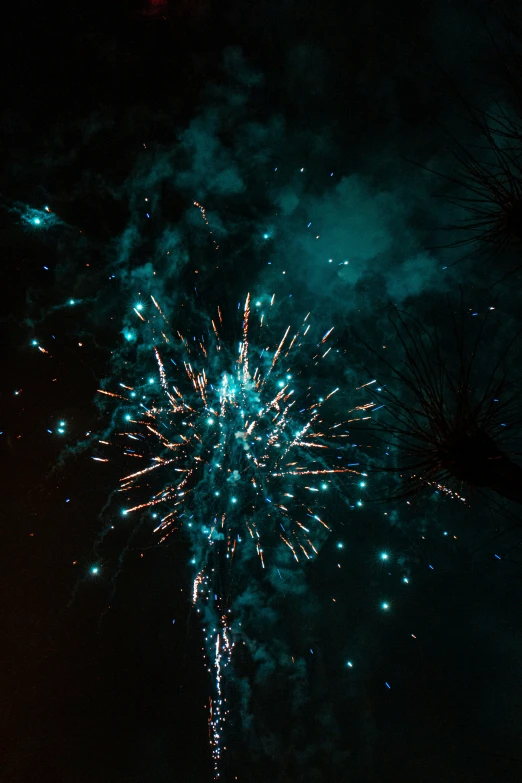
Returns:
(205,218)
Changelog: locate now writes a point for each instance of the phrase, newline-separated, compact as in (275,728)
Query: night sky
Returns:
(197,152)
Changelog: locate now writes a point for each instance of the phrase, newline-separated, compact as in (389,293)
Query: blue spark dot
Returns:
(405,580)
(216,494)
(94,570)
(445,533)
(359,502)
(139,306)
(128,417)
(281,384)
(193,561)
(340,545)
(37,221)
(384,556)
(266,236)
(128,335)
(233,500)
(350,664)
(133,394)
(71,301)
(61,430)
(151,380)
(124,512)
(362,483)
(385,605)
(210,420)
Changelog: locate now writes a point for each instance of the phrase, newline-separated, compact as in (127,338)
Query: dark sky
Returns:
(307,132)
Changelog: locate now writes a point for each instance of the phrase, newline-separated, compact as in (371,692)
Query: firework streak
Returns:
(239,452)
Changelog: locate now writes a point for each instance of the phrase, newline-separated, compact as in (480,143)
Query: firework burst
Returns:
(241,449)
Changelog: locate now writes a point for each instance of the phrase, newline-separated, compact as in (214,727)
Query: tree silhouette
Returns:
(453,426)
(487,170)
(488,180)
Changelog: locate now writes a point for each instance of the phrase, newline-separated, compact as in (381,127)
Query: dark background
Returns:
(121,695)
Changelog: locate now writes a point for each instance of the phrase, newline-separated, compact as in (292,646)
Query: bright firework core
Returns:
(247,456)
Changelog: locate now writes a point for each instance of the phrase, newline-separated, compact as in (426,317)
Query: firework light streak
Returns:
(236,444)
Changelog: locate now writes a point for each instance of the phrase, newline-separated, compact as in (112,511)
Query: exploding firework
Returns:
(451,430)
(240,449)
